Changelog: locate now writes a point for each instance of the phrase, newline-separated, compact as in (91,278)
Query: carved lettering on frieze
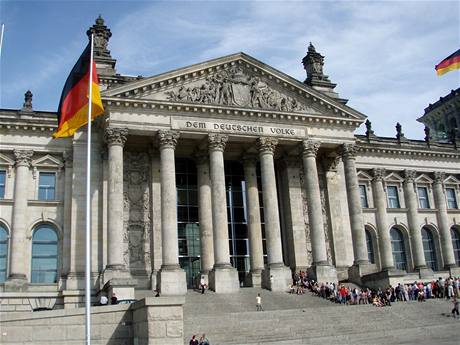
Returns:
(235,88)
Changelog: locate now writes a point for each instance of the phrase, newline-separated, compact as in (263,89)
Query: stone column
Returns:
(205,213)
(172,277)
(276,276)
(115,139)
(386,254)
(223,278)
(443,221)
(354,205)
(410,197)
(321,269)
(17,279)
(67,245)
(254,226)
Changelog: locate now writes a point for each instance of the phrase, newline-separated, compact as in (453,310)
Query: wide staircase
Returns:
(306,319)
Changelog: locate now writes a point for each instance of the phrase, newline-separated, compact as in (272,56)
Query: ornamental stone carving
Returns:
(378,174)
(168,139)
(267,145)
(310,148)
(115,136)
(409,176)
(102,35)
(349,151)
(23,157)
(217,142)
(439,177)
(235,88)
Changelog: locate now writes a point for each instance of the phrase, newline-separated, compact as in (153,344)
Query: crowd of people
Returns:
(203,340)
(448,288)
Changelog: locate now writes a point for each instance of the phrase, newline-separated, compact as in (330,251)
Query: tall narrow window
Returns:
(370,247)
(429,249)
(44,255)
(2,183)
(423,201)
(363,195)
(3,253)
(398,249)
(46,186)
(393,198)
(451,198)
(456,244)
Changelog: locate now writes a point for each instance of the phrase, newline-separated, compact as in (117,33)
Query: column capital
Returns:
(409,176)
(115,136)
(249,160)
(266,144)
(378,174)
(310,148)
(201,157)
(23,157)
(168,139)
(217,142)
(348,151)
(439,177)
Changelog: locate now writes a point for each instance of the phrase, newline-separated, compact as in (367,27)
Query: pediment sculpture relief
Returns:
(233,87)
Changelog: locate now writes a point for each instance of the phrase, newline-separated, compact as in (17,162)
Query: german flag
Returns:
(450,63)
(73,106)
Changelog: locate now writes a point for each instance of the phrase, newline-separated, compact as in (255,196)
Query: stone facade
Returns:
(178,157)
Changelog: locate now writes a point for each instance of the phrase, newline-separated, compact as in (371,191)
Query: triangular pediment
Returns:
(451,180)
(394,178)
(234,81)
(5,160)
(424,179)
(47,162)
(363,176)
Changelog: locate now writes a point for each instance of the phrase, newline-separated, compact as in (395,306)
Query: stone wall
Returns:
(150,321)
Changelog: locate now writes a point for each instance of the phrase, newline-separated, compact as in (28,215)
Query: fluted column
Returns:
(18,271)
(254,225)
(223,278)
(386,253)
(68,184)
(205,212)
(354,205)
(115,139)
(315,215)
(410,197)
(172,277)
(443,220)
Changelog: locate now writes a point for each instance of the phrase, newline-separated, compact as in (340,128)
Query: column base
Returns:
(383,279)
(276,278)
(172,282)
(114,272)
(254,278)
(224,280)
(322,273)
(424,272)
(454,271)
(16,283)
(356,271)
(122,288)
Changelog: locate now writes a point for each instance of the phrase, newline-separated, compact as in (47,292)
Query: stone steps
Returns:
(231,319)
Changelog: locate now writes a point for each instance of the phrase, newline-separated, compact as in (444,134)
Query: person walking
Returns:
(259,303)
(202,284)
(456,307)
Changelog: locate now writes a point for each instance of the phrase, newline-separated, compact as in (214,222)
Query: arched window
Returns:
(370,247)
(456,244)
(3,253)
(398,249)
(44,255)
(429,249)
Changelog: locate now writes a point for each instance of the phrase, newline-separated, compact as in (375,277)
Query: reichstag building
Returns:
(227,169)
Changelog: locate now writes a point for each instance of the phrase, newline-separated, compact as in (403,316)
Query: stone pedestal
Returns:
(16,284)
(356,271)
(254,279)
(172,282)
(425,273)
(323,273)
(224,280)
(383,279)
(276,278)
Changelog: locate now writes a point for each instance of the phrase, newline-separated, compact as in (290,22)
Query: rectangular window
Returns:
(2,183)
(423,197)
(393,198)
(46,186)
(363,195)
(451,198)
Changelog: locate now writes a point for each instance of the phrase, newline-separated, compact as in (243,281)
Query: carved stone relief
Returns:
(235,88)
(136,223)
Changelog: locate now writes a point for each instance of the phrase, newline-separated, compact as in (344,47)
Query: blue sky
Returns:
(381,54)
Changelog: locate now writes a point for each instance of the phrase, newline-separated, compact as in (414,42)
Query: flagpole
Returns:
(1,39)
(88,208)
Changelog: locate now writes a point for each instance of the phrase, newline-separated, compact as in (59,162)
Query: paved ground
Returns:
(306,319)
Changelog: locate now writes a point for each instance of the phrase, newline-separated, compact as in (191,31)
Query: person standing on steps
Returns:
(259,303)
(204,340)
(202,284)
(194,340)
(456,307)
